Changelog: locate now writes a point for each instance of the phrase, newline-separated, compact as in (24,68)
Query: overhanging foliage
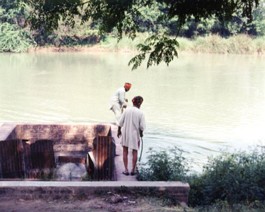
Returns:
(123,16)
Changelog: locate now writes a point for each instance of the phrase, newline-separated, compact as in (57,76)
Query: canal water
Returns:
(203,104)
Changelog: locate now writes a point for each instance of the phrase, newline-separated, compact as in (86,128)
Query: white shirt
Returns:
(132,121)
(118,98)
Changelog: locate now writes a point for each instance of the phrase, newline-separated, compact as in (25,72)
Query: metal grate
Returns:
(42,154)
(14,159)
(102,160)
(18,159)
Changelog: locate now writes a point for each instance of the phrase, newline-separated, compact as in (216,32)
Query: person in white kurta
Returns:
(131,127)
(118,101)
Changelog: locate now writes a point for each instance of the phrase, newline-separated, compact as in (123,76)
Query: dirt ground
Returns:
(108,202)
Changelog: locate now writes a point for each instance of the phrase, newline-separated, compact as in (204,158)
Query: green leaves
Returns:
(46,14)
(160,48)
(232,177)
(164,165)
(14,39)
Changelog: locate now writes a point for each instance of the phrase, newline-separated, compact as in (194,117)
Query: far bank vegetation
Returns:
(208,36)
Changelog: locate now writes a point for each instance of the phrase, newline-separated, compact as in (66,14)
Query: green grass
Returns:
(239,44)
(213,44)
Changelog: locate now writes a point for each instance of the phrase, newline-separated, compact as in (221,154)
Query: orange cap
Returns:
(127,86)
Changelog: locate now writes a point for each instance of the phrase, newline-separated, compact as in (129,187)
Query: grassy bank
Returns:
(240,44)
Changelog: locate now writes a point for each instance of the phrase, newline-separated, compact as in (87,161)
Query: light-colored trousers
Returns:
(117,111)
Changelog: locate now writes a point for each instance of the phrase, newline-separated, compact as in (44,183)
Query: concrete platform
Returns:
(5,130)
(119,166)
(69,190)
(27,189)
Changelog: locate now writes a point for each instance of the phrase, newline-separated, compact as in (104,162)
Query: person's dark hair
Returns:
(137,101)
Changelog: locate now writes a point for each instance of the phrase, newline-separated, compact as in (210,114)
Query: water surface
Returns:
(201,103)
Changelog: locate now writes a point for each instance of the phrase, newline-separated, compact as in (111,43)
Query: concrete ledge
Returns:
(71,190)
(6,130)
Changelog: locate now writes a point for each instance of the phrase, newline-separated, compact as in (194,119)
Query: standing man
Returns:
(131,127)
(118,100)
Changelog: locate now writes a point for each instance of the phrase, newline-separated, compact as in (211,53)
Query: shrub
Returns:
(223,206)
(260,44)
(165,165)
(233,177)
(185,44)
(228,182)
(210,44)
(14,39)
(241,44)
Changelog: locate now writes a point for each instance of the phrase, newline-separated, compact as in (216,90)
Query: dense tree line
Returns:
(38,22)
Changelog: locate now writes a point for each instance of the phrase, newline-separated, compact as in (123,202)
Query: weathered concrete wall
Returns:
(49,145)
(66,138)
(71,190)
(73,138)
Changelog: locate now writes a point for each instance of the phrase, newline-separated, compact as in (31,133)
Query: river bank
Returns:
(211,44)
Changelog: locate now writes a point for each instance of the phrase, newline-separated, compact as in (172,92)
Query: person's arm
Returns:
(142,125)
(120,124)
